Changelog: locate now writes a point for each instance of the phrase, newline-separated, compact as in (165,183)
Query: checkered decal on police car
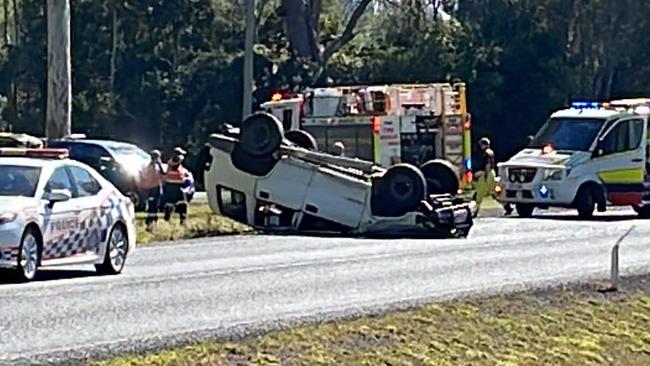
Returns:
(91,235)
(9,254)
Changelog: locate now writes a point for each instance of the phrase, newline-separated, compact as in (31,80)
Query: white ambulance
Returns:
(586,157)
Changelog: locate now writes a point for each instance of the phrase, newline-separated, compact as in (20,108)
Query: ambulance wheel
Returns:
(440,177)
(525,210)
(302,139)
(585,202)
(261,134)
(401,190)
(642,211)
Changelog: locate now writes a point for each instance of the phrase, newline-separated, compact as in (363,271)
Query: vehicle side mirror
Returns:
(59,195)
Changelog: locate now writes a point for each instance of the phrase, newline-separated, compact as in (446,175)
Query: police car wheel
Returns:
(116,250)
(28,256)
(261,134)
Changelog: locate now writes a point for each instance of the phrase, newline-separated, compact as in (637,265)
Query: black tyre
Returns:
(525,210)
(585,202)
(138,200)
(399,191)
(642,211)
(261,134)
(117,248)
(441,179)
(257,166)
(302,139)
(202,165)
(29,254)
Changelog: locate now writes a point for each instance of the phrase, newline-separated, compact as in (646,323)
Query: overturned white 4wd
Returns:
(257,176)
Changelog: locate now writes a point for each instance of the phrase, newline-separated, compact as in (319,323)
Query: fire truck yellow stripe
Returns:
(635,175)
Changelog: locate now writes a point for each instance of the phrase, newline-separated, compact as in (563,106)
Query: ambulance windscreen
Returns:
(568,134)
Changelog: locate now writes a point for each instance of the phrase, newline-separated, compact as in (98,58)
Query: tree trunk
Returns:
(59,70)
(6,27)
(114,55)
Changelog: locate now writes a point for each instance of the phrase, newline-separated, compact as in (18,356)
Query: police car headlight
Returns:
(7,217)
(553,174)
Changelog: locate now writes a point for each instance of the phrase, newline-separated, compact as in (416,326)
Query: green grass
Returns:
(557,328)
(201,222)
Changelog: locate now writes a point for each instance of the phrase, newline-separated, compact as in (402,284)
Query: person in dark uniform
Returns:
(484,174)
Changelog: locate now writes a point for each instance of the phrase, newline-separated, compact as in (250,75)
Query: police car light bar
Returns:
(586,105)
(35,153)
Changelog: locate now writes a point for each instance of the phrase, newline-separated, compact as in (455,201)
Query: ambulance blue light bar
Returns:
(586,105)
(44,153)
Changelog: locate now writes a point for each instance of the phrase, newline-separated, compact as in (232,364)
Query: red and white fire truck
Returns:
(426,125)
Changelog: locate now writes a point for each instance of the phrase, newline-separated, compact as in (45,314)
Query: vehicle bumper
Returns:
(538,193)
(435,219)
(10,235)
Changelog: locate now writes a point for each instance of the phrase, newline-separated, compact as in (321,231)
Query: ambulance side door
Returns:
(619,160)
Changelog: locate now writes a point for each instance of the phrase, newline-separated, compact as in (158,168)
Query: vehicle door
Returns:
(619,160)
(61,219)
(92,209)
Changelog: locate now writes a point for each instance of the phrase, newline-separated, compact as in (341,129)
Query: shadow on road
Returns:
(8,277)
(575,218)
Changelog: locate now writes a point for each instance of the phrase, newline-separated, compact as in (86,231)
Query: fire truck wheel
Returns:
(261,134)
(441,179)
(257,166)
(401,190)
(302,139)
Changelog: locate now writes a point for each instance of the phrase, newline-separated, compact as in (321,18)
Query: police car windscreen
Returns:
(18,180)
(568,134)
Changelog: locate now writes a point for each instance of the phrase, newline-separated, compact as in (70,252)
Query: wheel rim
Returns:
(29,256)
(117,248)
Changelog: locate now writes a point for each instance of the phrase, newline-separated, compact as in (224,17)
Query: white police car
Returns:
(56,211)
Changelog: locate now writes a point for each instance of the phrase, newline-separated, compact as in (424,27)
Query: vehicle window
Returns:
(86,184)
(19,180)
(130,155)
(232,203)
(59,180)
(569,134)
(620,139)
(636,133)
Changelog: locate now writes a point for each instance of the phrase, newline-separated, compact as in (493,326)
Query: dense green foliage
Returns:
(165,72)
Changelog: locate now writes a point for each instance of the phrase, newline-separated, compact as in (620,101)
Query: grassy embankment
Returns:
(573,327)
(201,222)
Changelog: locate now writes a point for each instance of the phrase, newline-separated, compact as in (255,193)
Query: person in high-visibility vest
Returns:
(151,180)
(484,175)
(178,187)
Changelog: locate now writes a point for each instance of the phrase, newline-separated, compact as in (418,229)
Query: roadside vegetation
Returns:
(571,327)
(201,222)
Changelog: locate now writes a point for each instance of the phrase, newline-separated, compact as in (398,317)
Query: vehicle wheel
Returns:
(302,139)
(585,203)
(28,256)
(642,211)
(441,179)
(257,166)
(203,163)
(116,251)
(138,201)
(400,190)
(525,210)
(261,134)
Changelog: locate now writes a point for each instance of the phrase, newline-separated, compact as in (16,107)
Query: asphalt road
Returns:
(230,287)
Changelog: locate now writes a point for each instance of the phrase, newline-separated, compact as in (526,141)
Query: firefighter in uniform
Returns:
(151,178)
(484,173)
(178,187)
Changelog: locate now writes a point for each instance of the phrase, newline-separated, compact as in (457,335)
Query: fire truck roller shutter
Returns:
(302,139)
(441,177)
(399,191)
(261,134)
